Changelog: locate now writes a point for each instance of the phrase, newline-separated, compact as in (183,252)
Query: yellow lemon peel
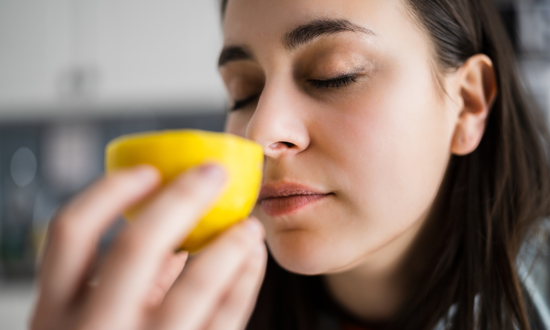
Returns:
(173,152)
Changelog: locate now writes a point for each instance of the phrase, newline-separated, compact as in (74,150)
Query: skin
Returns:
(379,145)
(140,284)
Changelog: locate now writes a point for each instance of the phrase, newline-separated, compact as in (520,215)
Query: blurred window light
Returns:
(23,166)
(71,154)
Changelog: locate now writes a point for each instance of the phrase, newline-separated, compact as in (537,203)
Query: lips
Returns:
(286,198)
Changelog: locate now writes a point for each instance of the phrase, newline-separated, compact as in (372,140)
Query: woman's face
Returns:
(376,142)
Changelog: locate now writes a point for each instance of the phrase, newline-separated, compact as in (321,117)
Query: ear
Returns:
(477,90)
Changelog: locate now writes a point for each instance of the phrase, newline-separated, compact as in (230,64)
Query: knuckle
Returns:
(237,303)
(183,192)
(194,189)
(113,182)
(185,199)
(129,242)
(200,282)
(257,264)
(239,299)
(242,239)
(62,229)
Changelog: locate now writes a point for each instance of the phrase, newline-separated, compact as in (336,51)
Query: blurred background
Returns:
(75,74)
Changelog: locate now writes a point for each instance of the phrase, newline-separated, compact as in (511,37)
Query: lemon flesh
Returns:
(173,152)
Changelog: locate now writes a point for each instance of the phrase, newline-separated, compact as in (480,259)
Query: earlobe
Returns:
(477,90)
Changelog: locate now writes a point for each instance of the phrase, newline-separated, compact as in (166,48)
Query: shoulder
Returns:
(533,265)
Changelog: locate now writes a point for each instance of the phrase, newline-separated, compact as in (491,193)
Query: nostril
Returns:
(288,144)
(278,145)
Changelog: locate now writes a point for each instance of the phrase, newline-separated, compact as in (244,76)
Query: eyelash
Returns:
(333,83)
(242,103)
(329,83)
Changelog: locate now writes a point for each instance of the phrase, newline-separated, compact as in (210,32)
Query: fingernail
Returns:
(254,226)
(146,173)
(213,171)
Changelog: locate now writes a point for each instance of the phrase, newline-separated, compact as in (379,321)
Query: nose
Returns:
(278,123)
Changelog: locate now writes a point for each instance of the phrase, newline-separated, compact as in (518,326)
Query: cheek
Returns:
(391,153)
(385,157)
(400,147)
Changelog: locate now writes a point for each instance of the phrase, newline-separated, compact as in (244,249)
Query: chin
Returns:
(301,253)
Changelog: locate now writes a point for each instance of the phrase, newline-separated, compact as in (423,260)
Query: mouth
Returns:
(279,206)
(288,198)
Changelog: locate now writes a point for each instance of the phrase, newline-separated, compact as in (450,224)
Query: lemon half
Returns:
(173,152)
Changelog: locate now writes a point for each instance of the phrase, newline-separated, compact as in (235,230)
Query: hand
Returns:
(140,285)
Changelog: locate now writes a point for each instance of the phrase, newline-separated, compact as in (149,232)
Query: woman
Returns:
(403,168)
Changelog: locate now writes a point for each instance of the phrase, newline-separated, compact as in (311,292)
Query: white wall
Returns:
(100,56)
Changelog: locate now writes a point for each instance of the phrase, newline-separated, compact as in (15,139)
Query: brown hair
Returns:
(488,203)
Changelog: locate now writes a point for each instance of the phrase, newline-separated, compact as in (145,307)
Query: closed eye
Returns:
(333,83)
(242,103)
(319,84)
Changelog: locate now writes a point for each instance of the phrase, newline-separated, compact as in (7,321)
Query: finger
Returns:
(168,273)
(133,262)
(198,291)
(237,305)
(76,231)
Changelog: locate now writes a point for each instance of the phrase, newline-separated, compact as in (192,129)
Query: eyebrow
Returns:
(298,36)
(234,53)
(322,27)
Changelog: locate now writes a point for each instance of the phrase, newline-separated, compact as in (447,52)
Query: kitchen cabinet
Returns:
(97,57)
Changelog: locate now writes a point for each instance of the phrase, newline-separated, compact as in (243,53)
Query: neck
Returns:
(376,289)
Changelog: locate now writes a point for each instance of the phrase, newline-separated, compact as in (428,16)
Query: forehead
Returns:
(261,25)
(248,20)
